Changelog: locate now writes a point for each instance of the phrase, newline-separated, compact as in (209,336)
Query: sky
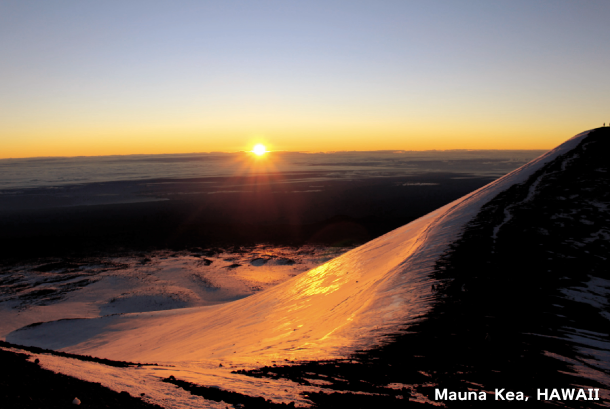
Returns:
(147,76)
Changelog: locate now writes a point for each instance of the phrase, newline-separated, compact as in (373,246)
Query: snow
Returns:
(596,293)
(166,280)
(329,311)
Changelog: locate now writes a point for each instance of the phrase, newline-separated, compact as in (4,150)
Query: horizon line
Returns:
(274,151)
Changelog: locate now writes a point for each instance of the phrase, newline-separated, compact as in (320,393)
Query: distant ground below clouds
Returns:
(326,199)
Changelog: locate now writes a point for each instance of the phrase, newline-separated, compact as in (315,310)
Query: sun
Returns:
(259,149)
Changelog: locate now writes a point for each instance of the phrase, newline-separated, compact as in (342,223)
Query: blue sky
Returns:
(183,76)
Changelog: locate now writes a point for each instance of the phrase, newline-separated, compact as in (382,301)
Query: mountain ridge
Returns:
(425,287)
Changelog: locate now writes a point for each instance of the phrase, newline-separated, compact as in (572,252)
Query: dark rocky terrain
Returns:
(25,385)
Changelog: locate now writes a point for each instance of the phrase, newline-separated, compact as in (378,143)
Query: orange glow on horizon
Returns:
(146,141)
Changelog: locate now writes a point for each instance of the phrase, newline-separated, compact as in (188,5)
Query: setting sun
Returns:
(259,149)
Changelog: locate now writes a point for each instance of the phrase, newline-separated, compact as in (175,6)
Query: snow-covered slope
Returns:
(91,287)
(451,266)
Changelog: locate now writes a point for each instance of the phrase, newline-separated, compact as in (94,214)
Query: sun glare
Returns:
(259,149)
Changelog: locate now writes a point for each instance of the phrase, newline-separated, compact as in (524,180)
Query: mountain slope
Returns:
(521,300)
(506,287)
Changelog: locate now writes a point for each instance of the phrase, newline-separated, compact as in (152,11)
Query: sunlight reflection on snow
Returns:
(314,282)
